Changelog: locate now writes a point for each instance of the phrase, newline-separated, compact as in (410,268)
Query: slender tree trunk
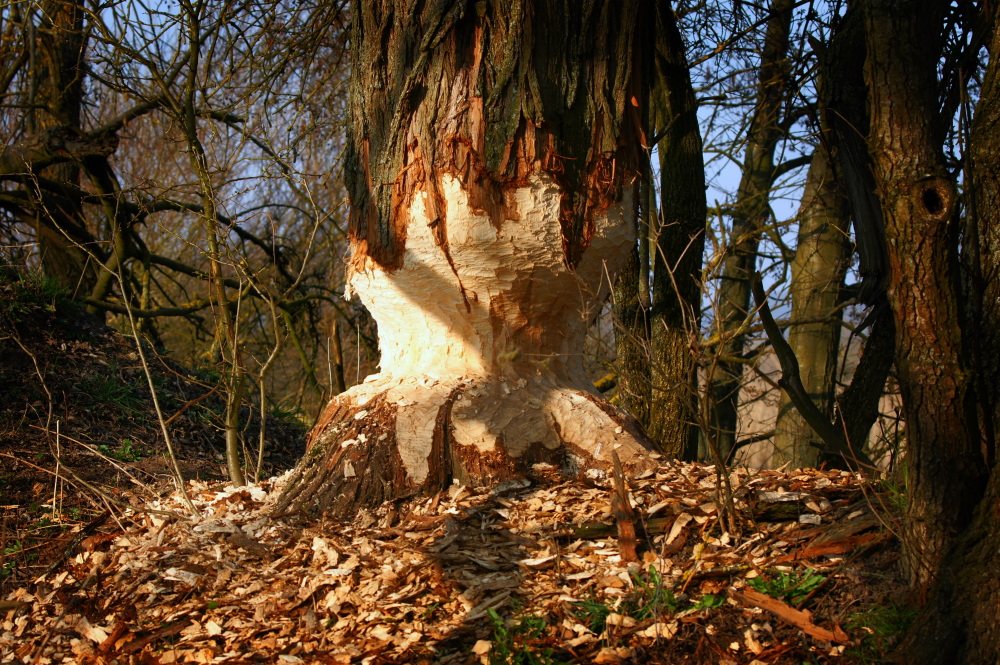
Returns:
(842,104)
(946,470)
(494,154)
(632,339)
(817,275)
(680,242)
(335,356)
(752,212)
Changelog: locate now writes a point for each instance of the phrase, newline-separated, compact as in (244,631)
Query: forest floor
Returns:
(102,562)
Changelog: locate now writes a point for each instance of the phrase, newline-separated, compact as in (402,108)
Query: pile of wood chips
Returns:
(469,576)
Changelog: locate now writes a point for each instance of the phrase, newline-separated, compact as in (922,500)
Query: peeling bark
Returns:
(495,153)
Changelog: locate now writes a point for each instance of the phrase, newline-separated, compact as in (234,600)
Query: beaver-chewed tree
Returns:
(494,149)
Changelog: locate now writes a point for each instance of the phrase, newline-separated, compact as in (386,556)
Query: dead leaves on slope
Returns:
(428,581)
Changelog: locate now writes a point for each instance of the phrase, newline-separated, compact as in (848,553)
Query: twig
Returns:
(178,476)
(104,495)
(624,515)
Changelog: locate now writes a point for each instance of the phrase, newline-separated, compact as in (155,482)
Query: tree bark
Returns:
(680,242)
(959,622)
(817,275)
(751,213)
(55,100)
(946,470)
(493,158)
(981,248)
(632,338)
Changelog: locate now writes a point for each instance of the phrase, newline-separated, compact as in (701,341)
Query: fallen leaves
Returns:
(423,580)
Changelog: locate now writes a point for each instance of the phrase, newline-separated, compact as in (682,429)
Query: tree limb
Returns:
(791,382)
(52,146)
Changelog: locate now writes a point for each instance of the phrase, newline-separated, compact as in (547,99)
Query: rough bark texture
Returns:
(632,339)
(680,241)
(817,274)
(495,153)
(959,623)
(751,213)
(946,469)
(492,92)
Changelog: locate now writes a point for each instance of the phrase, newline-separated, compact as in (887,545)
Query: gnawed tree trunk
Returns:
(817,274)
(946,470)
(494,153)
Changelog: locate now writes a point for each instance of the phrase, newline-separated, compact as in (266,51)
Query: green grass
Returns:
(790,587)
(21,293)
(877,630)
(650,597)
(513,642)
(128,451)
(107,390)
(593,614)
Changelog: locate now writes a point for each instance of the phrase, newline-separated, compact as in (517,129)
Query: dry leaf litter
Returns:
(457,578)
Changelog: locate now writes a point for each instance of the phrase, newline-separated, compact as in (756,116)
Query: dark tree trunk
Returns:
(946,469)
(680,242)
(752,212)
(632,338)
(55,98)
(493,157)
(981,248)
(959,624)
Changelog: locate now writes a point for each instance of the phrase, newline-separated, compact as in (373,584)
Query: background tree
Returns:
(817,273)
(751,214)
(102,115)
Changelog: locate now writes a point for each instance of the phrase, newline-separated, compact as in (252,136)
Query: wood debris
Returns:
(449,578)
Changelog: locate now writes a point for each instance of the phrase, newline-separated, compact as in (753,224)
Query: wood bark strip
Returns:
(801,619)
(624,515)
(836,547)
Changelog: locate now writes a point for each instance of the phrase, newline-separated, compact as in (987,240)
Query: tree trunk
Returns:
(959,623)
(55,98)
(817,275)
(946,469)
(680,242)
(752,212)
(842,105)
(981,247)
(494,153)
(632,338)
